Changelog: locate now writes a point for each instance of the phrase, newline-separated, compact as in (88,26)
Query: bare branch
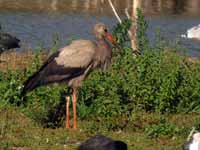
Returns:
(114,11)
(132,31)
(135,7)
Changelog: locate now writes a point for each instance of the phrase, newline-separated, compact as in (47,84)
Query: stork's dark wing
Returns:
(70,62)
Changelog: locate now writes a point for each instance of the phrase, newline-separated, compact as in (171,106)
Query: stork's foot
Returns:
(74,126)
(67,125)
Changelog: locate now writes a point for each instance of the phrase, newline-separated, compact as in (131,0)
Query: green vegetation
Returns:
(20,132)
(144,101)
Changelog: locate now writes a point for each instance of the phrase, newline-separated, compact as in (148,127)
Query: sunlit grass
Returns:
(18,60)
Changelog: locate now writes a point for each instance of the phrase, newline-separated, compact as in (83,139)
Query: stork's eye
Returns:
(105,30)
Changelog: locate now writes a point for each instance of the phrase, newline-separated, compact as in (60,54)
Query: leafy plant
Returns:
(143,42)
(163,128)
(121,32)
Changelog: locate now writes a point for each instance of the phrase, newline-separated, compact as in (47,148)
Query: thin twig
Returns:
(127,13)
(191,133)
(114,11)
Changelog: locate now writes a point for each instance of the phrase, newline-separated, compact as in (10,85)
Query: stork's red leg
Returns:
(67,112)
(74,107)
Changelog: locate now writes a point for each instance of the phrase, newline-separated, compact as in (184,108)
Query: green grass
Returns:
(19,132)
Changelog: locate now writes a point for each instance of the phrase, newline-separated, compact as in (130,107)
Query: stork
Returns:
(72,64)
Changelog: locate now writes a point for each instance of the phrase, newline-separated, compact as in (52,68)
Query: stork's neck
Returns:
(103,53)
(104,49)
(103,43)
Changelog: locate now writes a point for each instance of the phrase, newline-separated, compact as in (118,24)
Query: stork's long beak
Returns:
(110,38)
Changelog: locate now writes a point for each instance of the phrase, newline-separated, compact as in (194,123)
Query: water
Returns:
(41,29)
(38,22)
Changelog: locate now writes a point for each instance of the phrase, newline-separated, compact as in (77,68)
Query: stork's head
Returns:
(101,32)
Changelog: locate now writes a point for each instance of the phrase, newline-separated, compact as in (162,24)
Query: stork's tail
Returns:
(27,87)
(31,83)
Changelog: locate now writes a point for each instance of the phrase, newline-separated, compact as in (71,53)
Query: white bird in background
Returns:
(192,33)
(193,144)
